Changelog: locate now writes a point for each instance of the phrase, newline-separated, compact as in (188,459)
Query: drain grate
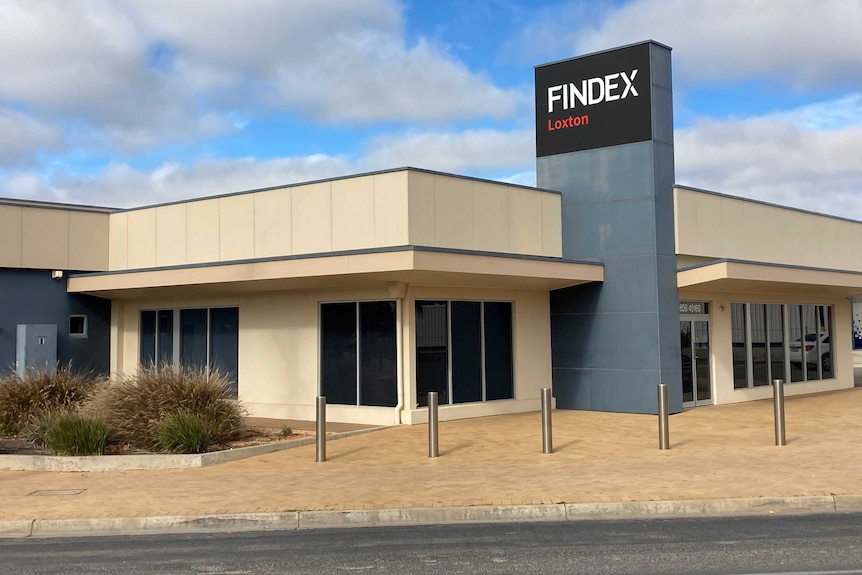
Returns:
(57,492)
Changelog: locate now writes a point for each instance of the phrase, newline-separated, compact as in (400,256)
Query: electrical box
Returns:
(36,348)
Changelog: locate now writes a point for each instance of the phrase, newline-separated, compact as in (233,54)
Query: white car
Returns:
(811,351)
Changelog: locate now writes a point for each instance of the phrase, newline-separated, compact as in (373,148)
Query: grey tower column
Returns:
(614,342)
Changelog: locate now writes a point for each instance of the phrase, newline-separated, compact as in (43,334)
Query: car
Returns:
(796,353)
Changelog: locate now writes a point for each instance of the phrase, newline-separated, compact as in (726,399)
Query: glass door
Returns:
(695,361)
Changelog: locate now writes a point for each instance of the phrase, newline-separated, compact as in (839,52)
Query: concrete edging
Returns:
(296,520)
(155,460)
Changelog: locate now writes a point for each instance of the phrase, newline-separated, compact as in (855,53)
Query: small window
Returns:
(78,325)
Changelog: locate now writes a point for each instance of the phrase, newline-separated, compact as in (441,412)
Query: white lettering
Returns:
(629,86)
(580,95)
(592,91)
(610,87)
(552,98)
(596,98)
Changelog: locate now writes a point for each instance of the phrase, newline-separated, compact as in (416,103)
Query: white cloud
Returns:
(120,185)
(797,43)
(21,134)
(470,151)
(777,158)
(139,74)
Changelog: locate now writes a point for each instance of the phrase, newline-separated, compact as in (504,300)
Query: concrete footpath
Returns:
(722,461)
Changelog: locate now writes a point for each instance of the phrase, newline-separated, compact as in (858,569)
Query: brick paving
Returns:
(717,452)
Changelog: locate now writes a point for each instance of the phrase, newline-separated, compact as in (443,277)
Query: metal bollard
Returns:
(320,429)
(433,445)
(778,398)
(547,439)
(663,427)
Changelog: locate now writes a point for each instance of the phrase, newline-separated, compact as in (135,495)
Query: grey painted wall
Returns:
(613,343)
(33,297)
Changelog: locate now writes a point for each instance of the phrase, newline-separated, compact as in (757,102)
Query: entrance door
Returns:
(696,381)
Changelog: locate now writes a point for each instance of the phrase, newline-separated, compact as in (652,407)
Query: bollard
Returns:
(663,430)
(547,439)
(433,446)
(320,429)
(778,398)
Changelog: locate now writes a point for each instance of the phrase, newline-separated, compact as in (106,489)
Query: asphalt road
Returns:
(828,544)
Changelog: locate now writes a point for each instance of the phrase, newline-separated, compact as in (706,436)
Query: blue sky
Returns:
(134,102)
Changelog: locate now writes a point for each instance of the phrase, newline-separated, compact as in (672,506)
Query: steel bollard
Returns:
(547,439)
(778,399)
(433,445)
(320,429)
(663,427)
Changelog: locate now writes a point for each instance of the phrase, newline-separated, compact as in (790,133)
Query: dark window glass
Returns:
(701,359)
(825,343)
(78,325)
(499,371)
(148,338)
(466,351)
(338,369)
(224,343)
(165,337)
(737,337)
(686,361)
(810,348)
(378,357)
(193,338)
(796,335)
(775,320)
(759,351)
(432,346)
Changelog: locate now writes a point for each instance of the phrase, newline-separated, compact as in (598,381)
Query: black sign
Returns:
(593,101)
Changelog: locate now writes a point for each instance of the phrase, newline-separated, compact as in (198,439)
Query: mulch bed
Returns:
(250,436)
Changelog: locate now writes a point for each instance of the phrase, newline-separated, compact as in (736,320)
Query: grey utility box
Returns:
(36,348)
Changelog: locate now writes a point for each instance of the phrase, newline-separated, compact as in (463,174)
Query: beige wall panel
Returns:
(453,212)
(202,225)
(311,214)
(171,235)
(88,241)
(391,216)
(236,227)
(685,221)
(272,223)
(118,251)
(422,216)
(490,217)
(552,225)
(712,216)
(353,213)
(525,225)
(142,238)
(735,228)
(11,226)
(45,239)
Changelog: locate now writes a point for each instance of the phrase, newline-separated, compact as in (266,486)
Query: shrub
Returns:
(76,435)
(24,399)
(37,432)
(183,433)
(135,405)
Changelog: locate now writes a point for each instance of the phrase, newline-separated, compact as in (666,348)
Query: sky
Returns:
(135,102)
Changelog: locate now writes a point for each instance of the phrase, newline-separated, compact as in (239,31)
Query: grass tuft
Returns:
(76,435)
(23,400)
(134,406)
(183,433)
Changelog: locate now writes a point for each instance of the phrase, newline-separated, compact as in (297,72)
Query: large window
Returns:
(359,364)
(196,337)
(780,341)
(464,351)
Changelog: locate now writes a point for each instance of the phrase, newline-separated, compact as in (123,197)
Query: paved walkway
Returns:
(717,452)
